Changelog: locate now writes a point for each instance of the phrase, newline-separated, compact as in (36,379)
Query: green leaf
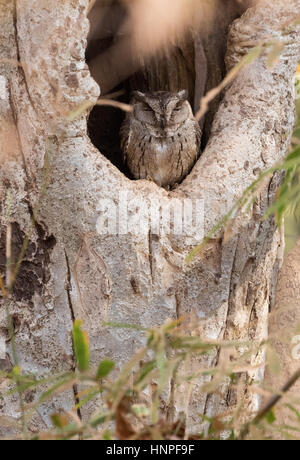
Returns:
(125,326)
(294,410)
(91,395)
(145,370)
(81,346)
(107,436)
(59,420)
(79,111)
(140,410)
(234,378)
(16,372)
(270,417)
(102,418)
(294,155)
(105,367)
(60,385)
(232,436)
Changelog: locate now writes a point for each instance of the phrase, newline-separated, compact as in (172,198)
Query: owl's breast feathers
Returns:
(166,160)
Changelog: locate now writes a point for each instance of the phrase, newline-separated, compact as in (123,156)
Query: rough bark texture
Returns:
(143,279)
(284,332)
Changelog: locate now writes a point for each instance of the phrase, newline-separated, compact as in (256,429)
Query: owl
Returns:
(160,138)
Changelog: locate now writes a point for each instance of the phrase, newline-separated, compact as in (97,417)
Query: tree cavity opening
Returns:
(125,53)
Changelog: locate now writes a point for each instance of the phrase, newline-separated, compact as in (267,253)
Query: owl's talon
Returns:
(150,178)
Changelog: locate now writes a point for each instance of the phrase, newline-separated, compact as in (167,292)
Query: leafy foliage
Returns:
(125,392)
(134,396)
(81,347)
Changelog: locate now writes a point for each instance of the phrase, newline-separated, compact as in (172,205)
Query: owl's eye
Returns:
(177,109)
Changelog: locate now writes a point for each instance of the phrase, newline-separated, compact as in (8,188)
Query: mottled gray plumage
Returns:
(160,138)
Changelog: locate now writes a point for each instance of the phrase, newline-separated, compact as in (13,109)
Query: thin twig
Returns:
(271,404)
(117,104)
(114,95)
(232,74)
(91,6)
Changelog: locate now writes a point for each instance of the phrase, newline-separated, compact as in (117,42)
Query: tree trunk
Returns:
(284,335)
(72,267)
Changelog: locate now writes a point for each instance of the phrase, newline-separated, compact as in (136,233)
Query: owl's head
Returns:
(162,112)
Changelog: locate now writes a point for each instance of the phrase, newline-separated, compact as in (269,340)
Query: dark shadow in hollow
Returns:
(104,122)
(195,63)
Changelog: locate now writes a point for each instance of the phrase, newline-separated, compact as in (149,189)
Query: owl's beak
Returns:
(163,122)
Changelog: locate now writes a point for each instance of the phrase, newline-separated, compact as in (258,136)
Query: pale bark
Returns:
(135,279)
(284,334)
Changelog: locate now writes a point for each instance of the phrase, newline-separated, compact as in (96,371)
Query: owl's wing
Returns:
(124,136)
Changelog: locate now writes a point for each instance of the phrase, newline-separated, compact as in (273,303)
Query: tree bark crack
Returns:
(15,118)
(177,306)
(21,65)
(231,287)
(150,242)
(68,289)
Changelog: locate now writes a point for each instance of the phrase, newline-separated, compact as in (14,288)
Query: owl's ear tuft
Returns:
(138,96)
(183,95)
